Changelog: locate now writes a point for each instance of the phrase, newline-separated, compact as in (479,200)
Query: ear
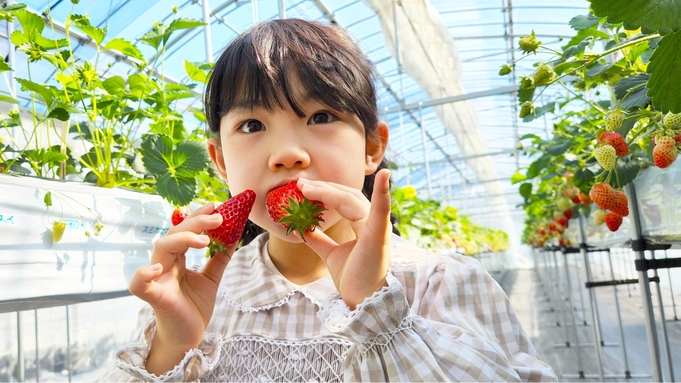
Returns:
(215,153)
(377,142)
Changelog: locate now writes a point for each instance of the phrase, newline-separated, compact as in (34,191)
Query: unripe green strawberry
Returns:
(665,142)
(526,109)
(58,228)
(672,120)
(564,203)
(614,119)
(505,69)
(543,75)
(529,43)
(606,156)
(599,217)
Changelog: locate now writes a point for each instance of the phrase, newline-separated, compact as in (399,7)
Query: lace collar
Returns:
(252,283)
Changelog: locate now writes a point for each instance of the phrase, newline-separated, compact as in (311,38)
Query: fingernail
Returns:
(303,181)
(215,217)
(156,267)
(204,238)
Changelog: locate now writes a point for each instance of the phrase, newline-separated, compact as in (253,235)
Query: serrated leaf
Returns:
(31,23)
(177,190)
(598,69)
(559,147)
(59,113)
(627,169)
(575,50)
(663,16)
(124,46)
(195,73)
(190,158)
(157,153)
(540,111)
(665,74)
(626,126)
(4,67)
(583,22)
(638,98)
(184,23)
(41,91)
(114,85)
(83,23)
(591,34)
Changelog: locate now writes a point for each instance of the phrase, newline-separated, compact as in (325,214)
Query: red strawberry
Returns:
(584,198)
(613,221)
(287,206)
(568,213)
(621,205)
(602,195)
(179,214)
(664,157)
(562,221)
(234,217)
(616,141)
(576,199)
(552,226)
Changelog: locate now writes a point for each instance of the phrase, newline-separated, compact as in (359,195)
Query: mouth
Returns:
(283,183)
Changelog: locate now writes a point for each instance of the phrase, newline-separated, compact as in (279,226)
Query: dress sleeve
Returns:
(129,362)
(442,320)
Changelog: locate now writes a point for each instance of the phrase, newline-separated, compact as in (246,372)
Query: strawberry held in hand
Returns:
(234,217)
(179,214)
(288,206)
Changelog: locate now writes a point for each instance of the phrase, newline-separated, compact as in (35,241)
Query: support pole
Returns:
(68,344)
(595,328)
(207,31)
(627,372)
(663,323)
(282,9)
(425,151)
(20,351)
(644,285)
(37,353)
(580,365)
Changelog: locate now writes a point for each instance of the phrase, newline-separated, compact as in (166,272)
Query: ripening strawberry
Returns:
(613,221)
(234,213)
(568,213)
(570,192)
(621,204)
(599,217)
(584,198)
(614,119)
(179,214)
(541,231)
(562,221)
(665,142)
(287,206)
(58,228)
(672,120)
(606,156)
(616,141)
(552,226)
(602,195)
(563,203)
(664,157)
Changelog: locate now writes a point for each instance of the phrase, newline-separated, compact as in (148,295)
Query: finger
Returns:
(143,285)
(319,242)
(166,249)
(200,220)
(350,203)
(379,216)
(215,266)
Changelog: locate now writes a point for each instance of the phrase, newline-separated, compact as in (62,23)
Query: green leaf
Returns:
(583,177)
(7,13)
(124,46)
(598,69)
(41,91)
(157,35)
(637,98)
(195,73)
(518,177)
(627,168)
(525,95)
(82,22)
(138,84)
(590,34)
(626,126)
(525,190)
(31,24)
(59,113)
(184,23)
(583,22)
(537,166)
(190,158)
(8,99)
(157,153)
(177,190)
(48,199)
(114,85)
(665,74)
(559,147)
(649,15)
(576,50)
(4,67)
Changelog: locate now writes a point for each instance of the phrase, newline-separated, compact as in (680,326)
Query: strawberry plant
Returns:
(617,111)
(91,125)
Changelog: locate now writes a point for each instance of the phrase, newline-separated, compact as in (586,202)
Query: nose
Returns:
(288,151)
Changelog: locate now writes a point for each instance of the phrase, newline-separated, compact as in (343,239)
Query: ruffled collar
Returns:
(252,283)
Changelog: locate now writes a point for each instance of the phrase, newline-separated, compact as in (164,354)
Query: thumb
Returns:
(143,283)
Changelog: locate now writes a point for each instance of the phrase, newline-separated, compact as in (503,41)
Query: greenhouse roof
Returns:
(437,76)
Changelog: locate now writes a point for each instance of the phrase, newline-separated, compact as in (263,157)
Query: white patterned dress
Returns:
(441,318)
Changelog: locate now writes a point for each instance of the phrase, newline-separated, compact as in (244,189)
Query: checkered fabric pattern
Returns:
(441,318)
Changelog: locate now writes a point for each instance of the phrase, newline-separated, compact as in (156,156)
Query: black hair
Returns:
(260,65)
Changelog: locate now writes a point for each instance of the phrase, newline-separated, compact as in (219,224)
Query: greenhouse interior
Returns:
(537,138)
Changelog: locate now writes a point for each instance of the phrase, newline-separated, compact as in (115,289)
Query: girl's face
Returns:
(262,150)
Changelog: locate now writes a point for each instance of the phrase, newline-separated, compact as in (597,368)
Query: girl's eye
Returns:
(322,118)
(251,126)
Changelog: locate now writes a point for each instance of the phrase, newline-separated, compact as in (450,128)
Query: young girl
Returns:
(294,100)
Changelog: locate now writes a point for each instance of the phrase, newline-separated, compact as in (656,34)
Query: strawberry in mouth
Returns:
(287,206)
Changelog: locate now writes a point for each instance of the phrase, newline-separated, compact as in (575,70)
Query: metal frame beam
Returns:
(450,99)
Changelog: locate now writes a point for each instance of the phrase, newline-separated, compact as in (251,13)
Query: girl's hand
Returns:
(182,299)
(358,267)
